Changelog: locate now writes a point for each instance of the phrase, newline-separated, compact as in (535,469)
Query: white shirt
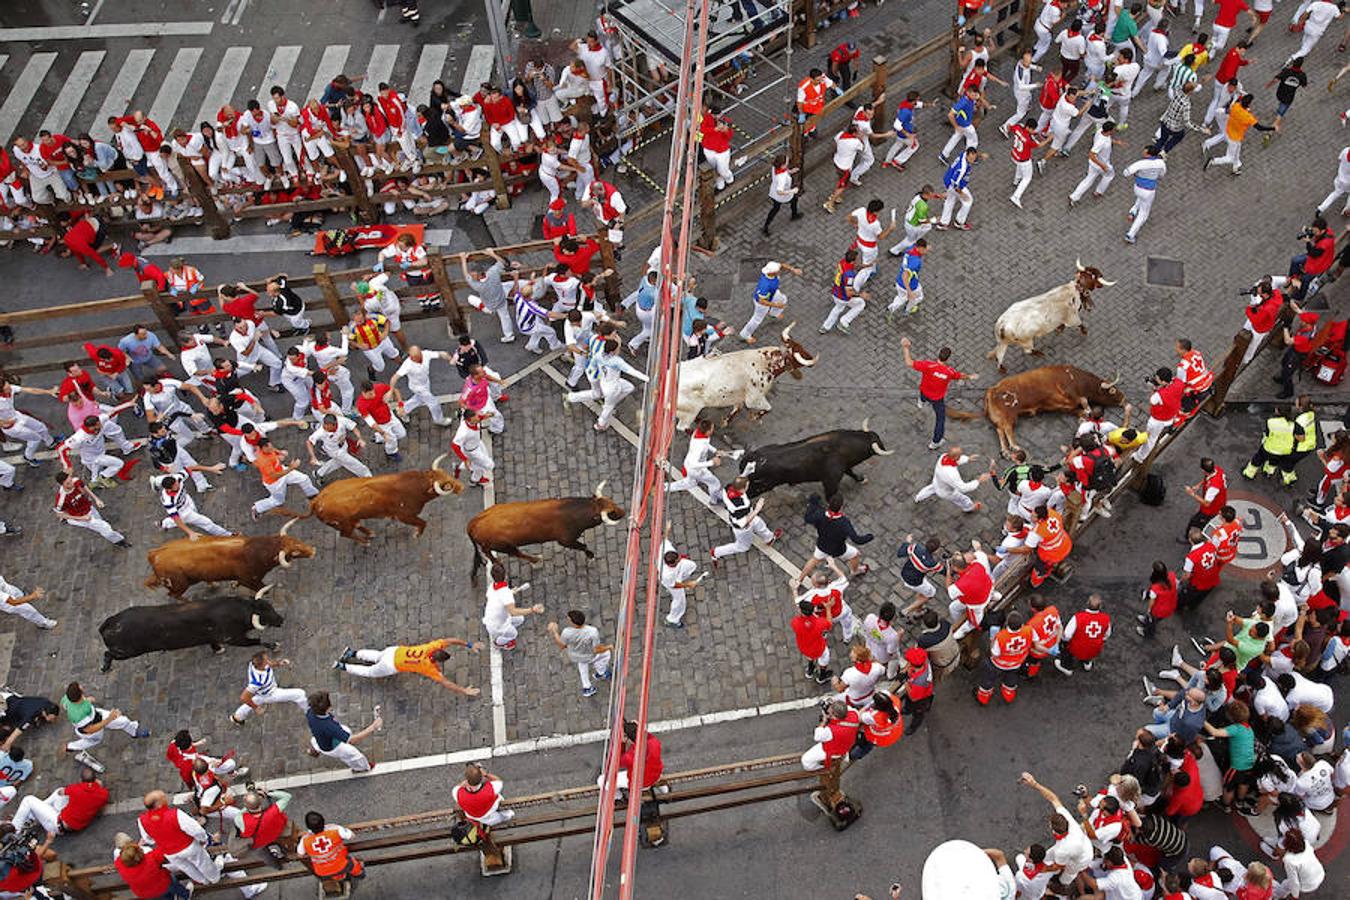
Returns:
(1269,701)
(131,148)
(89,446)
(596,61)
(868,230)
(579,149)
(166,401)
(240,341)
(1074,850)
(419,374)
(1101,146)
(32,159)
(261,131)
(192,149)
(1315,786)
(1320,15)
(495,614)
(1126,73)
(333,442)
(672,575)
(947,480)
(699,455)
(1050,16)
(1119,884)
(1064,112)
(1156,53)
(1028,498)
(1303,871)
(1343,167)
(846,150)
(328,357)
(1096,52)
(467,437)
(292,372)
(860,685)
(780,186)
(9,590)
(1341,777)
(1071,46)
(1147,167)
(884,643)
(1310,692)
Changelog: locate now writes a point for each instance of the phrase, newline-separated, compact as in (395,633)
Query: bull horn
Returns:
(257,623)
(281,559)
(600,488)
(289,523)
(788,331)
(866,421)
(262,592)
(802,360)
(615,520)
(876,448)
(440,491)
(1079,263)
(436,463)
(1102,282)
(1107,385)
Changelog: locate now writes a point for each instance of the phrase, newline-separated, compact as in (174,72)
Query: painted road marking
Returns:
(481,60)
(72,91)
(330,64)
(381,67)
(1263,539)
(118,99)
(22,93)
(175,83)
(430,65)
(279,72)
(88,32)
(223,83)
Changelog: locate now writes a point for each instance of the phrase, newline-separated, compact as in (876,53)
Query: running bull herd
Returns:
(732,381)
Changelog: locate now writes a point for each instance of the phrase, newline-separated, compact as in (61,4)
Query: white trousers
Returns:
(599,665)
(194,519)
(516,131)
(376,357)
(31,433)
(425,398)
(679,603)
(480,463)
(960,612)
(374,663)
(912,235)
(1094,175)
(88,741)
(47,812)
(298,388)
(1339,189)
(582,185)
(261,358)
(813,760)
(345,753)
(744,538)
(276,491)
(194,862)
(1232,157)
(1021,179)
(949,202)
(1043,40)
(612,394)
(901,150)
(958,499)
(701,477)
(960,133)
(278,695)
(645,317)
(910,300)
(1154,430)
(105,465)
(27,611)
(1143,205)
(292,149)
(342,377)
(760,312)
(7,474)
(541,331)
(344,459)
(98,525)
(551,184)
(393,433)
(1023,99)
(721,166)
(1310,39)
(506,632)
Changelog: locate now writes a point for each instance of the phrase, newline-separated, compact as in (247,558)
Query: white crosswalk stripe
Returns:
(118,99)
(481,59)
(430,65)
(77,82)
(25,89)
(381,67)
(223,83)
(4,58)
(279,72)
(171,91)
(330,65)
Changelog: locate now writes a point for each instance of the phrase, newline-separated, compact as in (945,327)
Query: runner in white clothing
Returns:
(1339,188)
(335,436)
(948,484)
(1099,169)
(871,230)
(677,577)
(16,602)
(262,688)
(246,339)
(417,369)
(1146,173)
(699,461)
(90,443)
(467,445)
(501,615)
(18,426)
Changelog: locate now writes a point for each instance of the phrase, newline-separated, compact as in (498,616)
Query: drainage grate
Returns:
(1163,272)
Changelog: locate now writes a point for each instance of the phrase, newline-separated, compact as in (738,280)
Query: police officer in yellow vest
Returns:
(1305,419)
(1282,435)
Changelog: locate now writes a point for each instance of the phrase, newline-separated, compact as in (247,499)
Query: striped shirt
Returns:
(528,313)
(366,336)
(1180,74)
(261,682)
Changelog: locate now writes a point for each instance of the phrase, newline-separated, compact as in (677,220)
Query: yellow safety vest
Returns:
(1307,420)
(1279,439)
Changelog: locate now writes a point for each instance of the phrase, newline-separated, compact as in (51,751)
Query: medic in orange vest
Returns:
(1048,541)
(1046,628)
(881,725)
(1226,534)
(324,847)
(811,97)
(1192,369)
(1008,651)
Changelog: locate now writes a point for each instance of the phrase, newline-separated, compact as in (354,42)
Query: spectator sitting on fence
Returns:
(150,228)
(478,202)
(426,204)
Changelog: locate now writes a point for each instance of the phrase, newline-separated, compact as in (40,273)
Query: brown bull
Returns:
(1063,389)
(244,559)
(399,495)
(506,527)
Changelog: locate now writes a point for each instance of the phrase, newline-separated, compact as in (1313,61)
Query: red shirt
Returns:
(1205,566)
(937,377)
(87,799)
(1021,143)
(74,503)
(150,878)
(842,54)
(245,306)
(1232,60)
(1169,401)
(52,152)
(810,632)
(716,137)
(567,228)
(476,802)
(1227,18)
(1187,801)
(1090,628)
(652,767)
(114,364)
(1264,315)
(1163,597)
(579,262)
(1219,481)
(375,407)
(499,112)
(18,881)
(79,386)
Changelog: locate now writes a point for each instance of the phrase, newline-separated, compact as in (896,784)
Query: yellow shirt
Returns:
(1239,120)
(417,658)
(1117,439)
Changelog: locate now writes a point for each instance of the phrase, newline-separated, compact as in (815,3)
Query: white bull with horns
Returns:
(1053,310)
(737,379)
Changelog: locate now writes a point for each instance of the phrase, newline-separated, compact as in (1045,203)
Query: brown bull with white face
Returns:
(737,379)
(1064,389)
(1037,316)
(506,527)
(243,559)
(399,495)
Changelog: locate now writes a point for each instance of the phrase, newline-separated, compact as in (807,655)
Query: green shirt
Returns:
(1249,646)
(1125,28)
(79,711)
(1241,747)
(918,211)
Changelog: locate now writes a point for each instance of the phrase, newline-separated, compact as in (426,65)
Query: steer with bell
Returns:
(212,621)
(737,379)
(826,458)
(1053,310)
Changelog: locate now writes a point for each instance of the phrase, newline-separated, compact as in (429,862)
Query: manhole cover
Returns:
(1164,272)
(750,268)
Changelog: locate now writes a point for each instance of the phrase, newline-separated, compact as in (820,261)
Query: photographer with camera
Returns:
(21,859)
(1319,252)
(262,821)
(1164,407)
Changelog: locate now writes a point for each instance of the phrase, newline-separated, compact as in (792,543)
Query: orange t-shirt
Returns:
(1239,120)
(417,658)
(270,466)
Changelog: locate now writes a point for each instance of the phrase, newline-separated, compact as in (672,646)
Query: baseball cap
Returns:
(772,268)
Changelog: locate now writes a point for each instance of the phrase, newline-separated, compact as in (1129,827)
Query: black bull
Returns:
(826,458)
(214,621)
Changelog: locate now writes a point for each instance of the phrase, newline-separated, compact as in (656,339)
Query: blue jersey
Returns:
(688,313)
(909,270)
(843,279)
(958,173)
(766,288)
(646,295)
(904,118)
(964,110)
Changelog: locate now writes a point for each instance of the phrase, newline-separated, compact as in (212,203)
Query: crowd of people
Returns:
(1248,726)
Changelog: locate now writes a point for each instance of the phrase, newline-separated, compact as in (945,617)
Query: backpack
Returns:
(1154,491)
(1104,474)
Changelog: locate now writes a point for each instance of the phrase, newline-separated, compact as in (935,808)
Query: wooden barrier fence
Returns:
(332,286)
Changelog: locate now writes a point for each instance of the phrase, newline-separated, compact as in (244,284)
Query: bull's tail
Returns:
(155,581)
(961,415)
(291,513)
(477,562)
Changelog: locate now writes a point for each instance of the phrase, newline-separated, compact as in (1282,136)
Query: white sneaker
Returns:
(1170,674)
(1176,657)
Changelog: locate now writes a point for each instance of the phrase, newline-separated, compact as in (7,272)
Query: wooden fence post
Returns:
(330,294)
(167,320)
(365,210)
(613,289)
(795,155)
(878,89)
(1223,382)
(809,35)
(707,211)
(954,66)
(203,197)
(494,164)
(454,316)
(1027,25)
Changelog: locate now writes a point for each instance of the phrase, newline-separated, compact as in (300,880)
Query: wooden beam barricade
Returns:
(540,817)
(332,286)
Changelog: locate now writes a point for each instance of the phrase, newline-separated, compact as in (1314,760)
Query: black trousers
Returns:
(774,211)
